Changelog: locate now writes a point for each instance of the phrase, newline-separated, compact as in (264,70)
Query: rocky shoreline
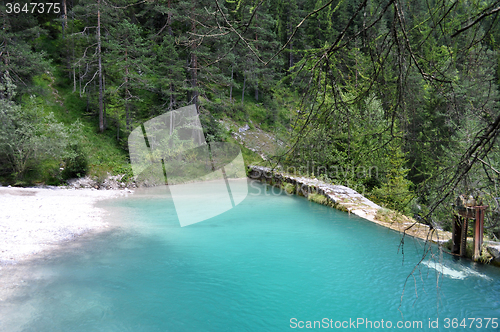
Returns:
(111,182)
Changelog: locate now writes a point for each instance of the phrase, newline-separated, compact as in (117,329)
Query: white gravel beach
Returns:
(33,221)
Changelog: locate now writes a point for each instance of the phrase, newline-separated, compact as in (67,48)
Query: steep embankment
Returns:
(249,135)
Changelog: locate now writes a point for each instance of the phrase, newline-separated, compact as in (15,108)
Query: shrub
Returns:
(395,192)
(390,216)
(212,129)
(29,136)
(76,165)
(318,198)
(289,188)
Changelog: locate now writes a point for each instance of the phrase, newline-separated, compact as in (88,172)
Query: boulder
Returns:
(494,250)
(243,129)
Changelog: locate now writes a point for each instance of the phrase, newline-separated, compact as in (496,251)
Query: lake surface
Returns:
(272,263)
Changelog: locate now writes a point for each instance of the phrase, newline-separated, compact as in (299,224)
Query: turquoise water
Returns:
(268,264)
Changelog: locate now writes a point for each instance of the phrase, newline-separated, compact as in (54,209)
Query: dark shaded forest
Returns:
(396,99)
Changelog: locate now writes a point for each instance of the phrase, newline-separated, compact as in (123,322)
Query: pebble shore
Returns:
(35,220)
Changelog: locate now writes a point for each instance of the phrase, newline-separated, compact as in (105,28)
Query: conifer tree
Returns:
(19,58)
(93,18)
(129,61)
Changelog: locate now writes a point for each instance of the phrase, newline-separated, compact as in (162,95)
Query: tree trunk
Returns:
(171,125)
(243,91)
(127,93)
(231,86)
(256,91)
(80,80)
(194,65)
(101,107)
(171,105)
(127,115)
(194,80)
(104,101)
(65,18)
(290,63)
(169,18)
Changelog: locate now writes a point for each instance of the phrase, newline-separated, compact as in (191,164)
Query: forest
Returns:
(397,99)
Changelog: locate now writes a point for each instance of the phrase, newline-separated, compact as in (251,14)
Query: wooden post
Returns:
(478,231)
(457,233)
(463,244)
(459,236)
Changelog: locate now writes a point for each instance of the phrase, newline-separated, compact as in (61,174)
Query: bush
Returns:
(76,165)
(289,188)
(212,129)
(29,136)
(318,198)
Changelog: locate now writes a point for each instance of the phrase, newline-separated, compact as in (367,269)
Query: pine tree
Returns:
(169,74)
(92,18)
(262,42)
(19,59)
(129,61)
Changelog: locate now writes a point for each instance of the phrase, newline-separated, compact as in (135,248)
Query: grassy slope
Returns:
(105,154)
(268,122)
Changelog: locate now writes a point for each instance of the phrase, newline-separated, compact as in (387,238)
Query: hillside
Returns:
(397,100)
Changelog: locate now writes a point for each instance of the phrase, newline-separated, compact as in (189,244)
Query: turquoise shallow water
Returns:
(268,264)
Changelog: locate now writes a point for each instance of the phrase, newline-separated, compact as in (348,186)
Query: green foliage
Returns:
(344,151)
(318,198)
(212,128)
(289,188)
(20,60)
(29,135)
(250,157)
(395,191)
(122,168)
(388,112)
(76,165)
(390,216)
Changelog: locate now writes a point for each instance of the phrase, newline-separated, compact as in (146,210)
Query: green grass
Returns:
(267,112)
(249,157)
(485,257)
(318,198)
(104,153)
(390,216)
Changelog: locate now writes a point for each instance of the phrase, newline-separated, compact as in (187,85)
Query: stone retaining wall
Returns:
(340,197)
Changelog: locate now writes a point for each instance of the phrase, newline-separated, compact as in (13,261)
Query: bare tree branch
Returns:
(479,19)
